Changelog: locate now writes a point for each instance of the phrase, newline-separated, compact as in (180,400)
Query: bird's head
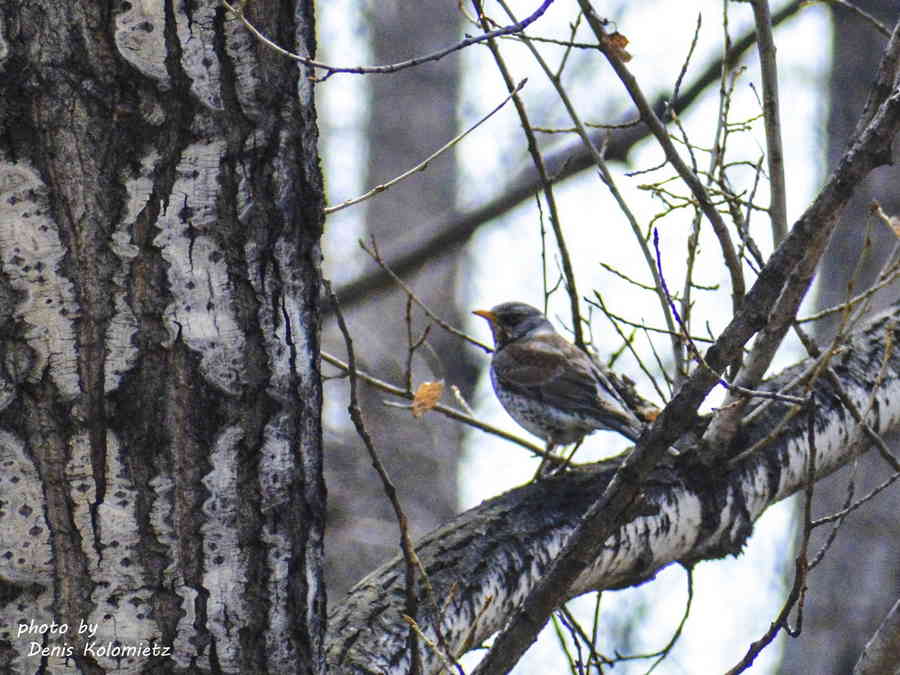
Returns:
(510,321)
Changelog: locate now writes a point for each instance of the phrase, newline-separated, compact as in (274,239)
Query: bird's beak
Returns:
(486,314)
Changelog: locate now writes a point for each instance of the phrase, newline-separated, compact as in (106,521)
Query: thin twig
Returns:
(391,68)
(573,29)
(843,513)
(449,230)
(412,344)
(605,174)
(890,273)
(684,617)
(879,26)
(441,651)
(546,184)
(642,326)
(801,566)
(423,165)
(734,388)
(409,552)
(452,413)
(716,155)
(742,222)
(659,131)
(376,256)
(564,619)
(615,323)
(676,90)
(766,47)
(578,633)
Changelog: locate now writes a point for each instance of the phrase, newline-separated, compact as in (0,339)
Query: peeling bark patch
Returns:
(25,555)
(121,349)
(240,46)
(276,476)
(281,324)
(121,596)
(225,568)
(198,57)
(184,647)
(201,311)
(140,38)
(30,252)
(279,641)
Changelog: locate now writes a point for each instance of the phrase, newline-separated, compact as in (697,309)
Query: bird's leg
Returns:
(548,458)
(565,464)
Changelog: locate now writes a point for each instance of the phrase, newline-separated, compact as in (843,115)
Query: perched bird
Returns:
(549,386)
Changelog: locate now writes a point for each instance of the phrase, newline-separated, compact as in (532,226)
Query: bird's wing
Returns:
(533,363)
(553,370)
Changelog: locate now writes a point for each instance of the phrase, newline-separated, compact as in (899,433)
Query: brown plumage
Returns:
(549,386)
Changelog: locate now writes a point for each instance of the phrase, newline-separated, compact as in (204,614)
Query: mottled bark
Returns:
(160,214)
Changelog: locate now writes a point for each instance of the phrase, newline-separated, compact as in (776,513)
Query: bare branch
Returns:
(662,136)
(608,180)
(376,256)
(409,552)
(443,409)
(565,161)
(801,564)
(391,68)
(766,47)
(546,184)
(423,165)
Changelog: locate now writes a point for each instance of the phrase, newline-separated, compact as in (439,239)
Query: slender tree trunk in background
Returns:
(160,438)
(859,579)
(412,114)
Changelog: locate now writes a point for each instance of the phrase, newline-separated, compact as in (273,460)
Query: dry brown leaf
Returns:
(427,396)
(650,414)
(617,43)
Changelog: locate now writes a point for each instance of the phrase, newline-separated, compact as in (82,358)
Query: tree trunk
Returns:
(160,216)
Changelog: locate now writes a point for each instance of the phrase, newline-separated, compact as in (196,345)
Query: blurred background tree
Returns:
(859,580)
(408,117)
